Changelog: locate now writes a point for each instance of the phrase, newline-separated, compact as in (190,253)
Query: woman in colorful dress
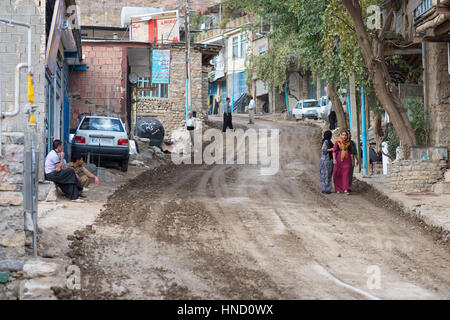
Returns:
(326,163)
(343,162)
(355,154)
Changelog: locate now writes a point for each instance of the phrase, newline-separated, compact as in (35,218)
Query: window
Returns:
(155,90)
(235,47)
(243,45)
(103,124)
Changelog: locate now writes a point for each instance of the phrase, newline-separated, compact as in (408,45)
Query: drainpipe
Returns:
(18,68)
(16,110)
(26,25)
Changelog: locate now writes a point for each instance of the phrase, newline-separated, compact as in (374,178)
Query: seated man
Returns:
(374,157)
(81,172)
(64,178)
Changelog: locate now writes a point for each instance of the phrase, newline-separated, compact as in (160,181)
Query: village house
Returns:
(116,78)
(242,37)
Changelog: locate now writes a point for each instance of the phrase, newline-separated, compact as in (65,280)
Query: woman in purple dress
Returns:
(343,161)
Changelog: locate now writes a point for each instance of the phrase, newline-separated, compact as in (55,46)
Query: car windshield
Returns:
(103,124)
(310,104)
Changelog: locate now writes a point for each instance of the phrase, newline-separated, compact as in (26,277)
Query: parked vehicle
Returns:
(103,137)
(323,107)
(306,109)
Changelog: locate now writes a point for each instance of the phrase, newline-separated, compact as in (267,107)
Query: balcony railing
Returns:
(235,23)
(423,8)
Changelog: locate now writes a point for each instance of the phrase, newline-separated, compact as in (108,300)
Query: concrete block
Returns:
(442,188)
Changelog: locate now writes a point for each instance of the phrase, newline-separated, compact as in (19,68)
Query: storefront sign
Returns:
(162,27)
(160,66)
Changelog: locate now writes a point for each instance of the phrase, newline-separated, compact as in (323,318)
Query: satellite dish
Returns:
(133,78)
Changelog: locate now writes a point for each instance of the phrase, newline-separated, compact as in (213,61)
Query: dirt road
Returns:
(227,232)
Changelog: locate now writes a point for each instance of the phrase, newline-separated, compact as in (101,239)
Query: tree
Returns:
(373,53)
(298,31)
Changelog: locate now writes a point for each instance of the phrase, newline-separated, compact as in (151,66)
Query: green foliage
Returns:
(417,117)
(271,67)
(316,34)
(413,75)
(393,142)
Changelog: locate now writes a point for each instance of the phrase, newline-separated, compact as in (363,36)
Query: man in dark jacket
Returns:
(227,120)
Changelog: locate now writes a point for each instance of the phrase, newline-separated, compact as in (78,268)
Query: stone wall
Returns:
(13,50)
(416,175)
(171,112)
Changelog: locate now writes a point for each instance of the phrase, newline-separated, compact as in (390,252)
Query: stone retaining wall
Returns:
(416,175)
(12,235)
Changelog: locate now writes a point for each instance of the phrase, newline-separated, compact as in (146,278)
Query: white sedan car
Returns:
(306,109)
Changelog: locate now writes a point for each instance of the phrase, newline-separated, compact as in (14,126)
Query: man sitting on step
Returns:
(83,174)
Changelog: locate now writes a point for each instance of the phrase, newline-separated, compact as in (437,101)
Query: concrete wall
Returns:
(13,43)
(238,64)
(101,89)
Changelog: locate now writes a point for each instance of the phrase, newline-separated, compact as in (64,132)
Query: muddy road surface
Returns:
(228,232)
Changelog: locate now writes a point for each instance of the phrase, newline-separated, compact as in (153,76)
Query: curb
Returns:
(424,217)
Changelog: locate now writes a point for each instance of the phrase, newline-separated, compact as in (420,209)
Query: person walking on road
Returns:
(343,161)
(190,126)
(66,179)
(227,119)
(355,153)
(331,114)
(251,111)
(326,163)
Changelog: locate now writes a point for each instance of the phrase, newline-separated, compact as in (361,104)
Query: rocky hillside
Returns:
(98,11)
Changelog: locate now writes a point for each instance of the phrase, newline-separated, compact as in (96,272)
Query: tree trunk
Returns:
(337,105)
(384,89)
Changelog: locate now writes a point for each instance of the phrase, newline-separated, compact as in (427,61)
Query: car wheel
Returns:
(124,165)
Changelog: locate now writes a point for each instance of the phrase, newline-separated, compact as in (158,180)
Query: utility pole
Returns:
(188,58)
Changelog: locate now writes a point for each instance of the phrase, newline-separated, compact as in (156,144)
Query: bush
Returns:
(393,142)
(417,116)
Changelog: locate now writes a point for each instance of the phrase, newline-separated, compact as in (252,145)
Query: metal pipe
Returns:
(16,110)
(364,131)
(349,110)
(25,25)
(425,87)
(287,98)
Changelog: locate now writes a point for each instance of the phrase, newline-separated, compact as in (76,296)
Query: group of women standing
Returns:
(338,161)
